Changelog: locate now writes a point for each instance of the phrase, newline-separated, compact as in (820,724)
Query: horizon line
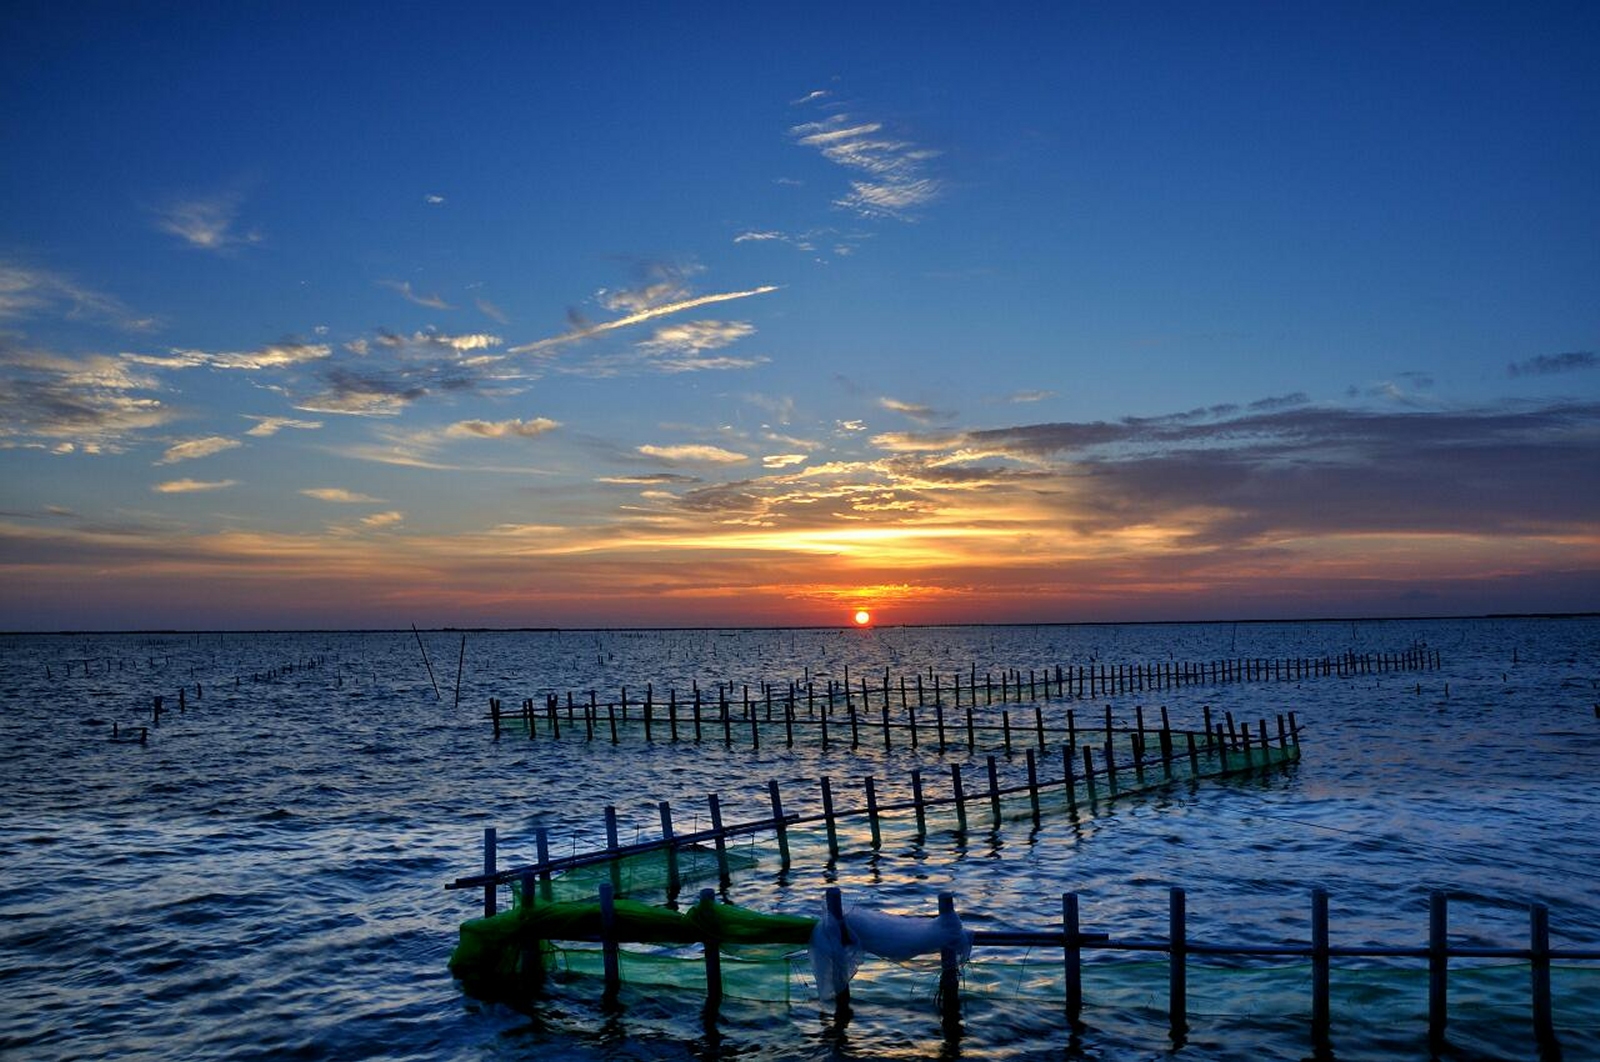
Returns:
(806,627)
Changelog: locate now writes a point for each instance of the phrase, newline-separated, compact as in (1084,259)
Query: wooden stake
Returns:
(489,868)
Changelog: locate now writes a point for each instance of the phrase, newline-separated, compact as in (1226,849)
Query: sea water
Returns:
(263,876)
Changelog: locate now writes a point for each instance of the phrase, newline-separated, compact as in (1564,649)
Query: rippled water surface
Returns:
(263,877)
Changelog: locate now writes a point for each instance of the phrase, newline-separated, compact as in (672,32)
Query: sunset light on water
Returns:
(706,463)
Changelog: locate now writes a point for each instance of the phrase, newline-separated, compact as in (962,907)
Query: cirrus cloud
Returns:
(192,486)
(693,452)
(190,449)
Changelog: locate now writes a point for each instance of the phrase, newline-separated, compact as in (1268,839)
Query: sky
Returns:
(351,315)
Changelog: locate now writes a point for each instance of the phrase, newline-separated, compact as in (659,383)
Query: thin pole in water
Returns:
(437,695)
(461,661)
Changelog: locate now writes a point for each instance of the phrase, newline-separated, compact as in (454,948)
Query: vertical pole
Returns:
(949,976)
(872,812)
(541,836)
(1038,718)
(1072,956)
(1033,785)
(488,868)
(994,790)
(717,835)
(960,797)
(613,856)
(1319,966)
(885,723)
(916,803)
(1539,953)
(669,842)
(827,817)
(938,722)
(1067,781)
(835,905)
(1438,964)
(608,940)
(532,963)
(713,955)
(779,825)
(1178,972)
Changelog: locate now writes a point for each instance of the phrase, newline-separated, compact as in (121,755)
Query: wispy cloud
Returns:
(1021,397)
(1550,364)
(433,200)
(896,182)
(491,311)
(501,429)
(380,377)
(695,336)
(783,460)
(93,402)
(191,449)
(639,316)
(431,300)
(340,496)
(192,486)
(284,354)
(914,410)
(266,426)
(27,292)
(651,479)
(693,452)
(383,521)
(206,223)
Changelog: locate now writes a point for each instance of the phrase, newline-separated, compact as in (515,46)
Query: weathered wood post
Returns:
(612,855)
(779,825)
(489,868)
(1033,784)
(949,976)
(1178,970)
(960,798)
(1319,967)
(872,812)
(608,942)
(1438,964)
(835,905)
(994,790)
(1539,955)
(827,817)
(669,842)
(721,838)
(1072,955)
(541,840)
(531,964)
(917,803)
(713,957)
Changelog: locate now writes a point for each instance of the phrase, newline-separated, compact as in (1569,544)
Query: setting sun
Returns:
(863,617)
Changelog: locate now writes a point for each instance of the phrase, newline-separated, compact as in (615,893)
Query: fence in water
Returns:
(914,705)
(511,955)
(582,898)
(1150,758)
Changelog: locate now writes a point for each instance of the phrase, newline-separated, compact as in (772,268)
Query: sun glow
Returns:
(863,617)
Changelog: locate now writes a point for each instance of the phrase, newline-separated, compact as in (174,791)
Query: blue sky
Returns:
(732,314)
